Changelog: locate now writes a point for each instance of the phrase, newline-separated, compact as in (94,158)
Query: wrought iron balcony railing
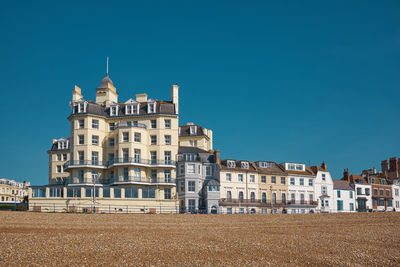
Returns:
(118,161)
(133,179)
(251,202)
(135,160)
(302,202)
(92,163)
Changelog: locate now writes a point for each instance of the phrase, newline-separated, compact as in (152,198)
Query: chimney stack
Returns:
(346,174)
(217,157)
(384,166)
(323,166)
(175,97)
(394,166)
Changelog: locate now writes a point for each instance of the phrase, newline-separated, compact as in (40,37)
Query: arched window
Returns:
(214,210)
(240,195)
(264,197)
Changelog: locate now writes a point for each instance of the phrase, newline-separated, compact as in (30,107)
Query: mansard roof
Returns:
(224,165)
(185,130)
(189,149)
(164,107)
(54,147)
(276,169)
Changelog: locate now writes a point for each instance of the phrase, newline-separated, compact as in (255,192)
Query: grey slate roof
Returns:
(163,107)
(189,149)
(341,184)
(54,147)
(185,131)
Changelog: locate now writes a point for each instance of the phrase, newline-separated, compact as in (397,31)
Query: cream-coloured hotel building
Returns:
(120,156)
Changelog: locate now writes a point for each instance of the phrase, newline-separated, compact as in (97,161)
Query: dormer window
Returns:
(231,164)
(82,106)
(131,107)
(244,165)
(193,130)
(383,181)
(151,107)
(62,144)
(270,165)
(188,157)
(114,110)
(372,180)
(295,167)
(262,164)
(359,181)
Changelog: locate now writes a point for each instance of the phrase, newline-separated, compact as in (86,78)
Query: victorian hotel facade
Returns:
(120,156)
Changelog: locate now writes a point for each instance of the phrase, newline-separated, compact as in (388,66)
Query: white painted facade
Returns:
(301,194)
(396,195)
(323,188)
(363,192)
(347,198)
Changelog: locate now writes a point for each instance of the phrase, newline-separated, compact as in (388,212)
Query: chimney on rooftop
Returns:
(394,167)
(217,156)
(384,166)
(323,166)
(346,175)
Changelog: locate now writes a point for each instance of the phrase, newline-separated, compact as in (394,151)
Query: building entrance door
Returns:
(361,204)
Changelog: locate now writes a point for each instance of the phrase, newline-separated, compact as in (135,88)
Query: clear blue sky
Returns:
(300,81)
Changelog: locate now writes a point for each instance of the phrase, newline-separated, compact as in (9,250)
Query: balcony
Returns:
(84,163)
(251,202)
(324,195)
(192,158)
(140,162)
(141,180)
(134,125)
(304,203)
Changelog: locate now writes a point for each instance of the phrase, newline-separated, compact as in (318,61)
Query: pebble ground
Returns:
(51,239)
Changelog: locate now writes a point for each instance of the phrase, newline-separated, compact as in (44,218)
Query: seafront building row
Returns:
(133,156)
(12,191)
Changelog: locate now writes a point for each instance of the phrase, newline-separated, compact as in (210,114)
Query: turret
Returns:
(106,92)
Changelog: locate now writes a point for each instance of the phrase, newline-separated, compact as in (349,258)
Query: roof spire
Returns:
(107,67)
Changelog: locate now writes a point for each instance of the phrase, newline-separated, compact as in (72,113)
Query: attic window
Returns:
(291,166)
(270,165)
(231,164)
(299,167)
(114,110)
(383,181)
(244,165)
(188,157)
(192,130)
(62,144)
(151,107)
(359,181)
(262,164)
(82,107)
(131,109)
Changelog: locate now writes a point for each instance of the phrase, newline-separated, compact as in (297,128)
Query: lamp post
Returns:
(272,200)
